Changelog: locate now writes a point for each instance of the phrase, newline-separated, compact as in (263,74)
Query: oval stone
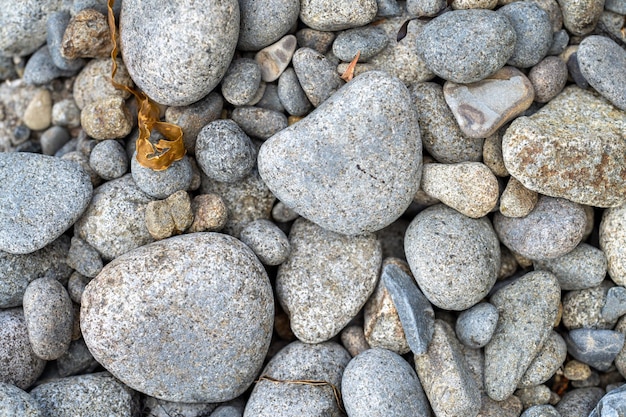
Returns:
(186,319)
(178,51)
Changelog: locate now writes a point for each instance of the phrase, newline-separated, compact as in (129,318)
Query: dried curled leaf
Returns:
(156,156)
(348,74)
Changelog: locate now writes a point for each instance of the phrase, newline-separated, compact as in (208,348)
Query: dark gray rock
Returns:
(241,82)
(263,22)
(368,40)
(579,402)
(77,360)
(53,139)
(23,25)
(162,184)
(15,402)
(109,160)
(259,122)
(560,40)
(83,258)
(615,305)
(616,6)
(317,40)
(270,99)
(595,347)
(583,267)
(41,69)
(612,404)
(231,409)
(42,197)
(476,325)
(337,15)
(7,68)
(56,24)
(267,241)
(291,94)
(549,359)
(207,290)
(317,75)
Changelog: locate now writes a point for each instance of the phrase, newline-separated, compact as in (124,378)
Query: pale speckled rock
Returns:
(38,113)
(300,361)
(264,22)
(337,15)
(342,166)
(549,359)
(267,241)
(15,402)
(162,184)
(475,326)
(482,107)
(535,395)
(210,213)
(517,200)
(353,339)
(83,258)
(106,118)
(528,308)
(583,308)
(492,154)
(109,159)
(380,383)
(583,267)
(548,78)
(259,122)
(66,113)
(211,277)
(232,408)
(94,82)
(33,209)
(455,259)
(581,17)
(474,4)
(511,407)
(23,25)
(241,81)
(273,59)
(76,285)
(322,293)
(162,408)
(613,242)
(425,7)
(468,187)
(595,347)
(368,40)
(316,74)
(576,371)
(579,402)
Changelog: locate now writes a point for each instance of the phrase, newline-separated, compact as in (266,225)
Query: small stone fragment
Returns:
(275,58)
(66,113)
(87,36)
(76,286)
(492,154)
(38,113)
(291,94)
(613,242)
(40,68)
(597,348)
(548,78)
(83,258)
(267,241)
(581,17)
(209,213)
(535,395)
(545,410)
(94,82)
(259,122)
(476,325)
(576,371)
(517,200)
(353,339)
(168,217)
(337,15)
(318,40)
(162,184)
(107,118)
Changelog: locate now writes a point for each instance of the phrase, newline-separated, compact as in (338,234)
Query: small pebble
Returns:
(162,184)
(66,113)
(548,78)
(273,59)
(15,402)
(106,118)
(337,15)
(209,213)
(291,94)
(616,6)
(241,81)
(94,82)
(613,242)
(425,8)
(234,408)
(109,160)
(560,40)
(56,26)
(536,395)
(38,113)
(162,408)
(353,339)
(264,23)
(259,122)
(76,286)
(79,158)
(583,267)
(597,348)
(282,214)
(53,139)
(40,68)
(267,241)
(165,218)
(21,134)
(270,99)
(615,305)
(580,18)
(545,410)
(24,26)
(517,200)
(368,41)
(579,402)
(612,404)
(316,74)
(87,36)
(476,325)
(317,40)
(474,4)
(83,258)
(547,362)
(576,371)
(583,308)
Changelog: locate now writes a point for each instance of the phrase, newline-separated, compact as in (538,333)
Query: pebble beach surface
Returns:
(385,208)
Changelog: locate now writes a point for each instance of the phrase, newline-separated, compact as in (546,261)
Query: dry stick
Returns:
(307,382)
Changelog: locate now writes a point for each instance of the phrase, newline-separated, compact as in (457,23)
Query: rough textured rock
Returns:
(549,359)
(23,25)
(337,15)
(263,22)
(517,200)
(15,402)
(581,17)
(613,242)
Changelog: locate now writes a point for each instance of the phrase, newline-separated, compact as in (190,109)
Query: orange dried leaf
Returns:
(165,152)
(348,74)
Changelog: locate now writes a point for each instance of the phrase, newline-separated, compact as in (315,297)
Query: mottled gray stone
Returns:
(76,285)
(94,82)
(212,278)
(534,395)
(425,7)
(560,40)
(267,241)
(528,309)
(322,293)
(368,40)
(353,339)
(548,77)
(53,139)
(581,17)
(445,376)
(291,94)
(315,39)
(15,402)
(613,242)
(77,360)
(109,160)
(549,359)
(42,197)
(241,81)
(579,402)
(83,258)
(270,99)
(316,74)
(263,22)
(343,166)
(595,347)
(616,6)
(583,308)
(583,267)
(259,122)
(56,25)
(337,15)
(162,184)
(230,409)
(545,410)
(465,46)
(162,408)
(324,362)
(158,59)
(23,25)
(40,68)
(615,305)
(380,383)
(454,259)
(476,325)
(612,404)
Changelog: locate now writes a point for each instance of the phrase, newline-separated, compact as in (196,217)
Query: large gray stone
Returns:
(15,402)
(23,25)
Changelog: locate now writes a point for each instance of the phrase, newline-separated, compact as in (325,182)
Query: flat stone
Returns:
(482,107)
(23,25)
(595,347)
(42,197)
(580,18)
(259,122)
(517,200)
(316,74)
(211,277)
(613,403)
(337,15)
(583,267)
(579,402)
(613,242)
(475,326)
(15,402)
(274,58)
(291,95)
(549,359)
(359,175)
(615,305)
(265,22)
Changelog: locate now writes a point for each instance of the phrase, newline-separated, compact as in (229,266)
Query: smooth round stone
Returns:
(533,31)
(259,122)
(465,46)
(316,74)
(23,25)
(337,15)
(475,326)
(549,359)
(21,367)
(267,241)
(576,371)
(368,40)
(455,259)
(56,26)
(552,229)
(581,17)
(548,78)
(274,58)
(241,81)
(579,402)
(15,402)
(595,347)
(162,184)
(38,113)
(40,68)
(42,197)
(263,22)
(94,82)
(282,214)
(53,139)
(158,59)
(536,395)
(583,308)
(194,117)
(213,278)
(109,160)
(613,242)
(602,62)
(583,267)
(358,174)
(380,383)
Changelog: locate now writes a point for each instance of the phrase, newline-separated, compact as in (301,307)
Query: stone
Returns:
(53,139)
(162,184)
(211,277)
(350,188)
(549,359)
(353,339)
(270,99)
(23,25)
(579,402)
(338,15)
(322,293)
(162,408)
(368,41)
(207,31)
(482,107)
(583,267)
(444,374)
(241,81)
(38,113)
(56,26)
(535,395)
(209,213)
(548,78)
(583,308)
(615,305)
(554,228)
(517,200)
(580,18)
(465,46)
(267,241)
(455,259)
(282,214)
(473,4)
(109,159)
(560,40)
(76,286)
(15,402)
(595,347)
(233,408)
(468,187)
(40,68)
(380,383)
(492,154)
(527,311)
(475,326)
(93,83)
(615,6)
(613,403)
(83,258)
(425,7)
(613,242)
(600,60)
(265,22)
(576,371)
(392,240)
(316,74)
(291,95)
(107,118)
(259,122)
(273,59)
(42,197)
(318,40)
(172,216)
(87,36)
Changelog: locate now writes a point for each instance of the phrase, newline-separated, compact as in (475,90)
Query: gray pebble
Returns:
(84,258)
(270,99)
(40,68)
(231,409)
(465,46)
(109,160)
(15,402)
(380,383)
(291,95)
(267,241)
(580,18)
(162,184)
(322,294)
(368,40)
(162,408)
(533,31)
(194,117)
(535,395)
(211,277)
(388,8)
(583,267)
(595,347)
(548,78)
(265,22)
(549,359)
(612,404)
(616,6)
(23,25)
(579,402)
(241,81)
(353,339)
(602,62)
(613,242)
(316,74)
(56,25)
(425,7)
(454,259)
(259,122)
(282,214)
(583,308)
(7,68)
(76,286)
(560,40)
(593,380)
(317,40)
(93,82)
(615,305)
(53,139)
(545,410)
(77,360)
(476,325)
(337,15)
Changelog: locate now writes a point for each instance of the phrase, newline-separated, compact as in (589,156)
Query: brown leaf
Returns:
(348,74)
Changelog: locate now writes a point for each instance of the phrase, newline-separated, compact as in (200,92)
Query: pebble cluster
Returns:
(386,208)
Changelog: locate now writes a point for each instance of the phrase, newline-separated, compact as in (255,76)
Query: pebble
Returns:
(476,325)
(612,404)
(113,223)
(552,229)
(535,395)
(380,383)
(15,402)
(547,362)
(241,81)
(473,4)
(595,347)
(368,40)
(86,395)
(21,367)
(455,259)
(259,122)
(323,362)
(194,117)
(274,58)
(583,308)
(322,294)
(213,277)
(533,31)
(592,381)
(23,26)
(172,216)
(76,285)
(576,371)
(77,157)
(282,214)
(106,118)
(337,15)
(162,184)
(109,159)
(87,36)
(601,62)
(53,139)
(465,46)
(33,212)
(616,6)
(40,68)
(584,267)
(56,25)
(579,402)
(353,339)
(445,376)
(291,94)
(560,40)
(7,68)
(208,31)
(441,135)
(264,23)
(574,68)
(548,78)
(270,99)
(611,24)
(468,187)
(258,96)
(483,107)
(517,200)
(233,408)
(425,8)
(267,241)
(93,83)
(209,213)
(350,188)
(613,242)
(580,18)
(615,305)
(316,74)
(38,113)
(528,309)
(317,40)
(545,410)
